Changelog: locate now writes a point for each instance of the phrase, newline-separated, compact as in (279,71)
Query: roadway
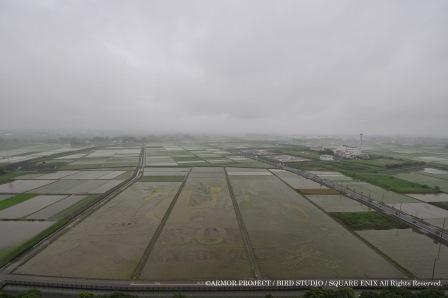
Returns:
(27,281)
(78,217)
(435,232)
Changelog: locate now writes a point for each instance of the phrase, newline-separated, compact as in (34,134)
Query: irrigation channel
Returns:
(434,232)
(76,218)
(79,284)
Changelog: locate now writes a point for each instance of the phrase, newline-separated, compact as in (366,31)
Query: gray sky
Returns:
(336,66)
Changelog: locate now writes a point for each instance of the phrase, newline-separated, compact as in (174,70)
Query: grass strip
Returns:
(9,254)
(62,219)
(7,177)
(368,221)
(393,183)
(15,200)
(78,205)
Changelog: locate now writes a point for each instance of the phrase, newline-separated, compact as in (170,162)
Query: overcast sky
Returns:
(327,67)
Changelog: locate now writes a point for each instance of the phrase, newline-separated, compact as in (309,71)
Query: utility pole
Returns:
(443,227)
(434,268)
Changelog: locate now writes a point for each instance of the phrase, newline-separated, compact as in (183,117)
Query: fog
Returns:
(292,67)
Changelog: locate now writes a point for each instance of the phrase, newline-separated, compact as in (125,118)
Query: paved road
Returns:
(134,286)
(418,223)
(78,217)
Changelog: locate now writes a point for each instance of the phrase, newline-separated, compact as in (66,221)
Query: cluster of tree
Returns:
(313,293)
(384,293)
(74,141)
(118,295)
(33,293)
(405,164)
(326,151)
(122,139)
(114,295)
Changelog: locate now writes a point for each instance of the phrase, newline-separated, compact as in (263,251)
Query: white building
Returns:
(326,157)
(348,152)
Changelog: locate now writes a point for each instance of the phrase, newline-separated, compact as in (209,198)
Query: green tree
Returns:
(431,293)
(396,293)
(4,295)
(33,293)
(319,293)
(369,294)
(344,293)
(122,295)
(86,295)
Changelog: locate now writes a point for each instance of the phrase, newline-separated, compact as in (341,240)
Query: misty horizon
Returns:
(225,67)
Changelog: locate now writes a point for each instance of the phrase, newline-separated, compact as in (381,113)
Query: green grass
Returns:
(368,221)
(393,183)
(57,164)
(374,171)
(385,163)
(162,179)
(7,177)
(62,219)
(314,165)
(8,254)
(15,200)
(68,211)
(376,164)
(337,166)
(300,152)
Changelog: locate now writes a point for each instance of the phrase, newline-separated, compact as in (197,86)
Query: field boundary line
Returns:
(423,226)
(142,262)
(72,221)
(25,217)
(243,230)
(370,245)
(14,165)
